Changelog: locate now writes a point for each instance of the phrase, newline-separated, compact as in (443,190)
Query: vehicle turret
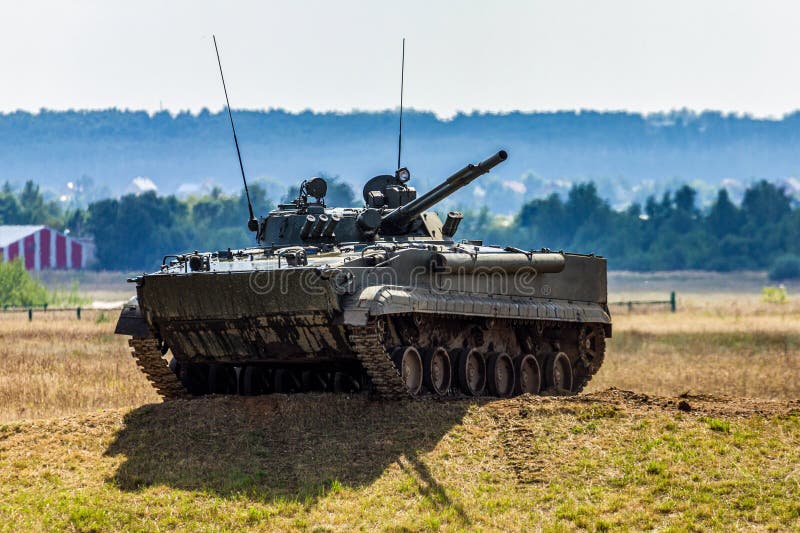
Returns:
(392,208)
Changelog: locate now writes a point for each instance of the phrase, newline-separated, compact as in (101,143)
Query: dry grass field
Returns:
(57,365)
(85,446)
(599,462)
(715,344)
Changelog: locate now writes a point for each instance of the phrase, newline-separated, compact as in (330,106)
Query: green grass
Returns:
(323,463)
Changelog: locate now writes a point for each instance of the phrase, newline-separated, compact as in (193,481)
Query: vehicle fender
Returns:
(389,300)
(131,322)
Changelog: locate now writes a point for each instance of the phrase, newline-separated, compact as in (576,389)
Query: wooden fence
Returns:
(629,304)
(44,310)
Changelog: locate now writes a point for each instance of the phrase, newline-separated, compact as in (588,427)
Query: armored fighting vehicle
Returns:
(379,299)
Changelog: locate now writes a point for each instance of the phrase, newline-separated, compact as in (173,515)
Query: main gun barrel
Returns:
(401,216)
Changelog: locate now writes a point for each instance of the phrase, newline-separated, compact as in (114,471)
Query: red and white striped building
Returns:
(40,248)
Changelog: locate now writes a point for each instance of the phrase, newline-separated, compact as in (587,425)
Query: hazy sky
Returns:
(460,56)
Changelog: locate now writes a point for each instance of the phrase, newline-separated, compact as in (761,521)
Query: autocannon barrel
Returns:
(401,216)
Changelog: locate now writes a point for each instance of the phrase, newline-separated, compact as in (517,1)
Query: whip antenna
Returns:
(252,224)
(402,73)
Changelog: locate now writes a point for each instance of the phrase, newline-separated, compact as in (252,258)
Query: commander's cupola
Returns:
(387,191)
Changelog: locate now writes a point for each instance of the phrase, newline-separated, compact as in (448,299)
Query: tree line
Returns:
(667,233)
(628,155)
(671,232)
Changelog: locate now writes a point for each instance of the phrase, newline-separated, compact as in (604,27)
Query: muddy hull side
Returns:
(275,338)
(278,316)
(299,316)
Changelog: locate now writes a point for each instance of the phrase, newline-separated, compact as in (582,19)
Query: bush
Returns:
(18,288)
(70,297)
(785,267)
(774,295)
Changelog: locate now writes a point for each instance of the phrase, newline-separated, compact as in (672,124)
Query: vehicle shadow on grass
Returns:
(281,447)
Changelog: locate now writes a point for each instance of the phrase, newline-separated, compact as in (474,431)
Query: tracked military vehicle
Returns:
(379,299)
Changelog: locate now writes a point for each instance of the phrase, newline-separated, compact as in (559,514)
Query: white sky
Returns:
(460,56)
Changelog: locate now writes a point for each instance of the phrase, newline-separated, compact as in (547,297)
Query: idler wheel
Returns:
(221,379)
(529,375)
(409,362)
(558,371)
(254,381)
(194,376)
(437,370)
(285,381)
(471,372)
(500,373)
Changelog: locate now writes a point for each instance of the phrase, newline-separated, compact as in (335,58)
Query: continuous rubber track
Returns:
(147,354)
(385,377)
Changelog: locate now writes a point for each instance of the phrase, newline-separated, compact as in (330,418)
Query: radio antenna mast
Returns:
(252,224)
(402,75)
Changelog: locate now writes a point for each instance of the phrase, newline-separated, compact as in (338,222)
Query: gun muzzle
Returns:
(400,217)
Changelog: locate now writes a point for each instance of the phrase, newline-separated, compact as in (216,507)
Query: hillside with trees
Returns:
(79,157)
(669,232)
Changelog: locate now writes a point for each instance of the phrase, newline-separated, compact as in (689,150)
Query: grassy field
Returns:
(57,365)
(714,344)
(84,447)
(601,462)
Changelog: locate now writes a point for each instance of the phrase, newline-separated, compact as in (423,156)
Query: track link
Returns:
(592,359)
(147,354)
(367,341)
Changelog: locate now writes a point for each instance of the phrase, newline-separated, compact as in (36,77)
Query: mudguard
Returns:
(388,300)
(131,322)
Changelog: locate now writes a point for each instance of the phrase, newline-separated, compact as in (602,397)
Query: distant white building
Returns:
(40,248)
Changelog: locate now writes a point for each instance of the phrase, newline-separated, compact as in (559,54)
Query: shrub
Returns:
(785,267)
(774,295)
(721,426)
(18,288)
(69,297)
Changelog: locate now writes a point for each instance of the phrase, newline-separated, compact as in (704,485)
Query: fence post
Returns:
(78,312)
(672,301)
(30,314)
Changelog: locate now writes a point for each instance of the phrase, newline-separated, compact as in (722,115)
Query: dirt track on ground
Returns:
(703,404)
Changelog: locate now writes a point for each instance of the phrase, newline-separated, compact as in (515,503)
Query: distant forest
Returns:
(79,157)
(663,233)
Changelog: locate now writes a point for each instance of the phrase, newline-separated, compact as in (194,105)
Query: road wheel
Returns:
(528,375)
(345,383)
(254,381)
(500,374)
(558,372)
(194,377)
(221,379)
(438,370)
(285,381)
(314,381)
(409,362)
(471,372)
